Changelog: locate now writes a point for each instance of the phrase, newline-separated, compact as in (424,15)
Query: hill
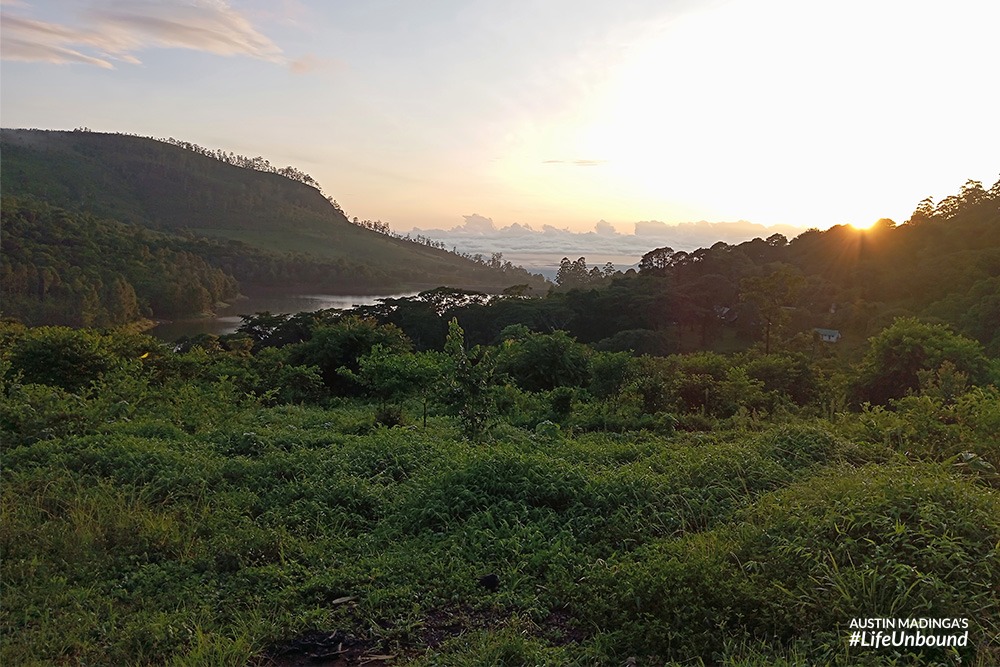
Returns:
(182,189)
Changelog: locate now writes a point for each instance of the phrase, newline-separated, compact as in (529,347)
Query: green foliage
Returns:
(771,294)
(60,267)
(897,355)
(393,376)
(342,344)
(61,357)
(788,376)
(639,341)
(209,503)
(541,362)
(875,542)
(611,372)
(286,382)
(470,394)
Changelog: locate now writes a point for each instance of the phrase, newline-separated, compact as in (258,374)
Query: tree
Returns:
(393,376)
(344,343)
(772,293)
(444,299)
(542,362)
(470,391)
(656,261)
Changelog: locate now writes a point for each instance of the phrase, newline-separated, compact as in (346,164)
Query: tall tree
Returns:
(772,294)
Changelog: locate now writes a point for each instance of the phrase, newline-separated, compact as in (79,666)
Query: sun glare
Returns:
(742,116)
(686,120)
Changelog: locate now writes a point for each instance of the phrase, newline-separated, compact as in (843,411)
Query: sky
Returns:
(585,115)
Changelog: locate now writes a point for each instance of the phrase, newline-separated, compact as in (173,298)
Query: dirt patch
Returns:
(326,649)
(341,649)
(440,625)
(558,628)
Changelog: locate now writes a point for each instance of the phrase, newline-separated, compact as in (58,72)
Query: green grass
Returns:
(149,542)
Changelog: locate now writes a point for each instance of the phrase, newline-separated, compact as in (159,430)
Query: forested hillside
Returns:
(270,227)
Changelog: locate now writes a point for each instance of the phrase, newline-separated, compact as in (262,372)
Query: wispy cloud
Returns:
(38,41)
(576,163)
(310,63)
(113,32)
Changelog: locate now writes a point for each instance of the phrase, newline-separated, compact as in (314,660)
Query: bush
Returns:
(895,357)
(61,357)
(542,362)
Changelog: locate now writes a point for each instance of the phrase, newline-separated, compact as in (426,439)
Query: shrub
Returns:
(61,357)
(542,362)
(895,357)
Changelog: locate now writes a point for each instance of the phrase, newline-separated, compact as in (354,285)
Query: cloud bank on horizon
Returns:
(480,234)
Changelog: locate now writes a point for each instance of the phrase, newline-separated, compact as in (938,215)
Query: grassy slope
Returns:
(152,183)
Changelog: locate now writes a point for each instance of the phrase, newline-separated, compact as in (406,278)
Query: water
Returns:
(228,319)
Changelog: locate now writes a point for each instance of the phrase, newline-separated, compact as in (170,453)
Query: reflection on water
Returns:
(227,320)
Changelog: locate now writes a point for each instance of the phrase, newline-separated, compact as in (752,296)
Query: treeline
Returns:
(64,268)
(942,264)
(257,163)
(76,269)
(770,292)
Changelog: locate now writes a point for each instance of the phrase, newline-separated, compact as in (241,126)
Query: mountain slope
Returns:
(162,186)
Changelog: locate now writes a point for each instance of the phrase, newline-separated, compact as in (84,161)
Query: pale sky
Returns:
(558,112)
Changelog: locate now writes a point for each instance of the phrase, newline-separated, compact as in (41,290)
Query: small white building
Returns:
(828,335)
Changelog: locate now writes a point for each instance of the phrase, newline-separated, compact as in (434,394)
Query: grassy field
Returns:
(230,503)
(219,534)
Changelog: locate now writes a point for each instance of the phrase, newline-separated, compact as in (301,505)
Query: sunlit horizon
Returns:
(567,114)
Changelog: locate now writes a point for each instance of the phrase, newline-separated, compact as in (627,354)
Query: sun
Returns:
(862,226)
(874,225)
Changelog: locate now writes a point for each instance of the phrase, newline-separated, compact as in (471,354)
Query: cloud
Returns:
(38,41)
(115,31)
(687,233)
(310,63)
(477,224)
(605,228)
(479,234)
(576,163)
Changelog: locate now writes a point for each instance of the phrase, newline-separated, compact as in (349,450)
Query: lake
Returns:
(227,319)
